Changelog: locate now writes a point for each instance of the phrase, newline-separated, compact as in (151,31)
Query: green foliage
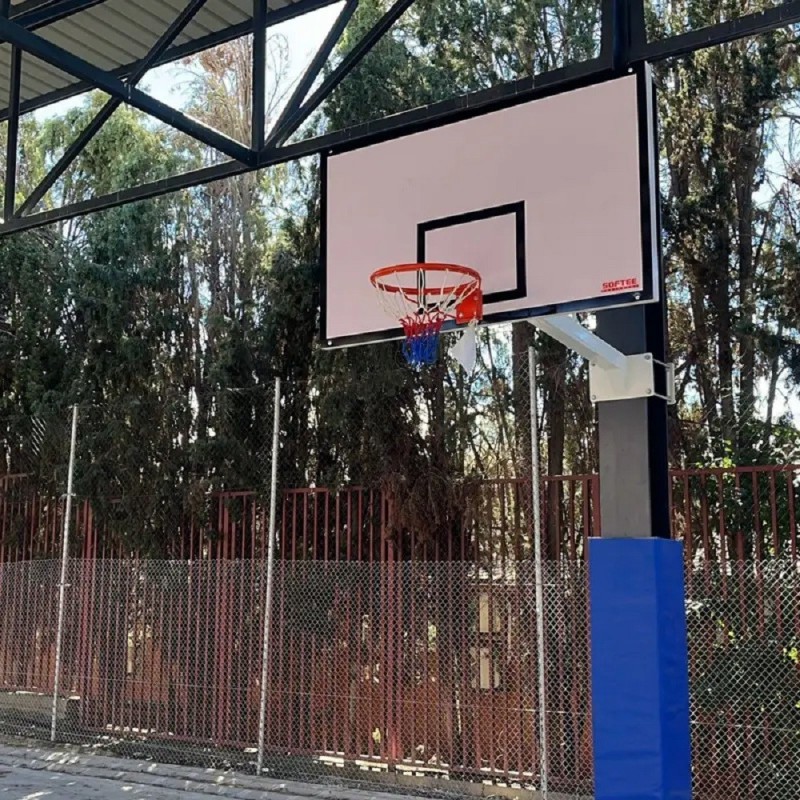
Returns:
(729,202)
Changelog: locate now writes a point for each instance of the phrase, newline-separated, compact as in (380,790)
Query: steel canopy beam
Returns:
(68,62)
(683,44)
(33,16)
(175,53)
(408,121)
(634,49)
(349,63)
(105,113)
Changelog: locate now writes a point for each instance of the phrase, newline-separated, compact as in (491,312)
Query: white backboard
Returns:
(551,200)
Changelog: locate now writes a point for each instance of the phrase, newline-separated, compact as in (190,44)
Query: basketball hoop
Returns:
(425,296)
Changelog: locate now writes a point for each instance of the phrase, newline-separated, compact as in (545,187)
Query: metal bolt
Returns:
(594,363)
(647,357)
(637,296)
(649,391)
(594,397)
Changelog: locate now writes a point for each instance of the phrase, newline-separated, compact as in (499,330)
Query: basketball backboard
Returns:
(552,200)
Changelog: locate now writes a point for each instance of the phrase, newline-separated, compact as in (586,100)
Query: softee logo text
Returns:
(621,285)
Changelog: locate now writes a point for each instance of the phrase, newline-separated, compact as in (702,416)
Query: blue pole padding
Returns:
(640,670)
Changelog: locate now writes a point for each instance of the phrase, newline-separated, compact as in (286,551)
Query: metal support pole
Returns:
(12,144)
(273,511)
(634,477)
(259,80)
(640,694)
(634,462)
(62,584)
(537,566)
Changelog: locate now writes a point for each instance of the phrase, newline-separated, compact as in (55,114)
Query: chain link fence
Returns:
(398,637)
(745,682)
(423,670)
(28,635)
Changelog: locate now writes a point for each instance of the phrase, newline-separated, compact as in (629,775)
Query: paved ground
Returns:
(36,773)
(29,784)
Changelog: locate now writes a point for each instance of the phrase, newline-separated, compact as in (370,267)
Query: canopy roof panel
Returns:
(114,34)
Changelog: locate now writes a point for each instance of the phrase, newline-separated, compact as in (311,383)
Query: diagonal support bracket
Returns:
(280,132)
(612,374)
(289,124)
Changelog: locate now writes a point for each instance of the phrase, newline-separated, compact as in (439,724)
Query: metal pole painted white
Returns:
(537,566)
(273,511)
(62,583)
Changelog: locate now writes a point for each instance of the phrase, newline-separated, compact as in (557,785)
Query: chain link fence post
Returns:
(273,508)
(62,583)
(537,556)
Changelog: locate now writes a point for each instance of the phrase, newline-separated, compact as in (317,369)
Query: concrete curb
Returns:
(214,783)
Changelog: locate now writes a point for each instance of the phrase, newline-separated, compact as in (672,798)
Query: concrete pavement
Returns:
(37,773)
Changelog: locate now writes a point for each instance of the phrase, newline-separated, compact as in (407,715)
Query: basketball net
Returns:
(421,345)
(423,297)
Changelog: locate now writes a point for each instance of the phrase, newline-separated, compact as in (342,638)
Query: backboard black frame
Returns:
(517,210)
(649,292)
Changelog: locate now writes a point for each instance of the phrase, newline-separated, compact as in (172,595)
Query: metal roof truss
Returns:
(623,44)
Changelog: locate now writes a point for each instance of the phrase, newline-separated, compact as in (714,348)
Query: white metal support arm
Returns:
(612,374)
(566,329)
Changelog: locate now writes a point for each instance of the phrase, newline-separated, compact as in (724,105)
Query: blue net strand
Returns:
(422,349)
(421,345)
